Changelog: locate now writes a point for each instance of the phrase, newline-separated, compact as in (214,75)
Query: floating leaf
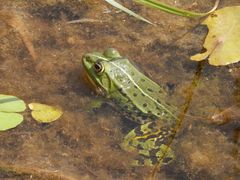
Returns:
(44,113)
(11,104)
(223,40)
(9,120)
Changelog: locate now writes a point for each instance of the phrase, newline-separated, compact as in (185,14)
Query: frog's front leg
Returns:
(151,141)
(98,103)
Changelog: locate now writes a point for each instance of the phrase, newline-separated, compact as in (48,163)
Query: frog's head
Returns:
(97,67)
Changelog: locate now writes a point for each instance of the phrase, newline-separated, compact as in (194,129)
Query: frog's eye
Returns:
(98,67)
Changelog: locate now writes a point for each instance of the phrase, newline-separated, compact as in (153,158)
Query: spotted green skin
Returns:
(139,99)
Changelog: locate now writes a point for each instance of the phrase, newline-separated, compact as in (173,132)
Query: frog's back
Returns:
(142,95)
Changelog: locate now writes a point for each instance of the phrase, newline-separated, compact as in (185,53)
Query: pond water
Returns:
(41,61)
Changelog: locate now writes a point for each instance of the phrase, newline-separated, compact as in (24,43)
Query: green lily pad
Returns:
(9,120)
(10,103)
(44,113)
(9,106)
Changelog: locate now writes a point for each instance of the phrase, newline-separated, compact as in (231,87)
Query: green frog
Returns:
(139,99)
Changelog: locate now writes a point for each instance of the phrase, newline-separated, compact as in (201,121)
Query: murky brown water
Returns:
(40,61)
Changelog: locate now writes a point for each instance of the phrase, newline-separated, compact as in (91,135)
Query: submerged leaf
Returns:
(223,40)
(44,113)
(9,120)
(230,114)
(16,21)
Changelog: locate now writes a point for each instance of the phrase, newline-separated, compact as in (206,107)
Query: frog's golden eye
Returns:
(98,67)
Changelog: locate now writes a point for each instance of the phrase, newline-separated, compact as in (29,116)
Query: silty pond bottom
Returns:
(41,61)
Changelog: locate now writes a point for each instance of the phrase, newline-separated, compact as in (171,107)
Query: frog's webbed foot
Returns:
(95,104)
(151,141)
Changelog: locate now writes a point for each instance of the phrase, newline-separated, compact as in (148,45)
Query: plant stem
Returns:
(174,10)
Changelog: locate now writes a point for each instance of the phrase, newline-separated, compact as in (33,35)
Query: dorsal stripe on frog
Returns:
(141,90)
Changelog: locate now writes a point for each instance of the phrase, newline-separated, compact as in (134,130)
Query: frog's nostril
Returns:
(87,59)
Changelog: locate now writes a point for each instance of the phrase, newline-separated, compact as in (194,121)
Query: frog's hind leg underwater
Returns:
(151,140)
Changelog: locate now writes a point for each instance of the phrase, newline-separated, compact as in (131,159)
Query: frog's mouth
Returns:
(91,83)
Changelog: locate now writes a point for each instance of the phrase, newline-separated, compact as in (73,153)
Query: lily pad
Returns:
(9,106)
(44,113)
(9,120)
(223,40)
(10,103)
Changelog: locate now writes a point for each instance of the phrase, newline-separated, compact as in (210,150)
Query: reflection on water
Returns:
(40,60)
